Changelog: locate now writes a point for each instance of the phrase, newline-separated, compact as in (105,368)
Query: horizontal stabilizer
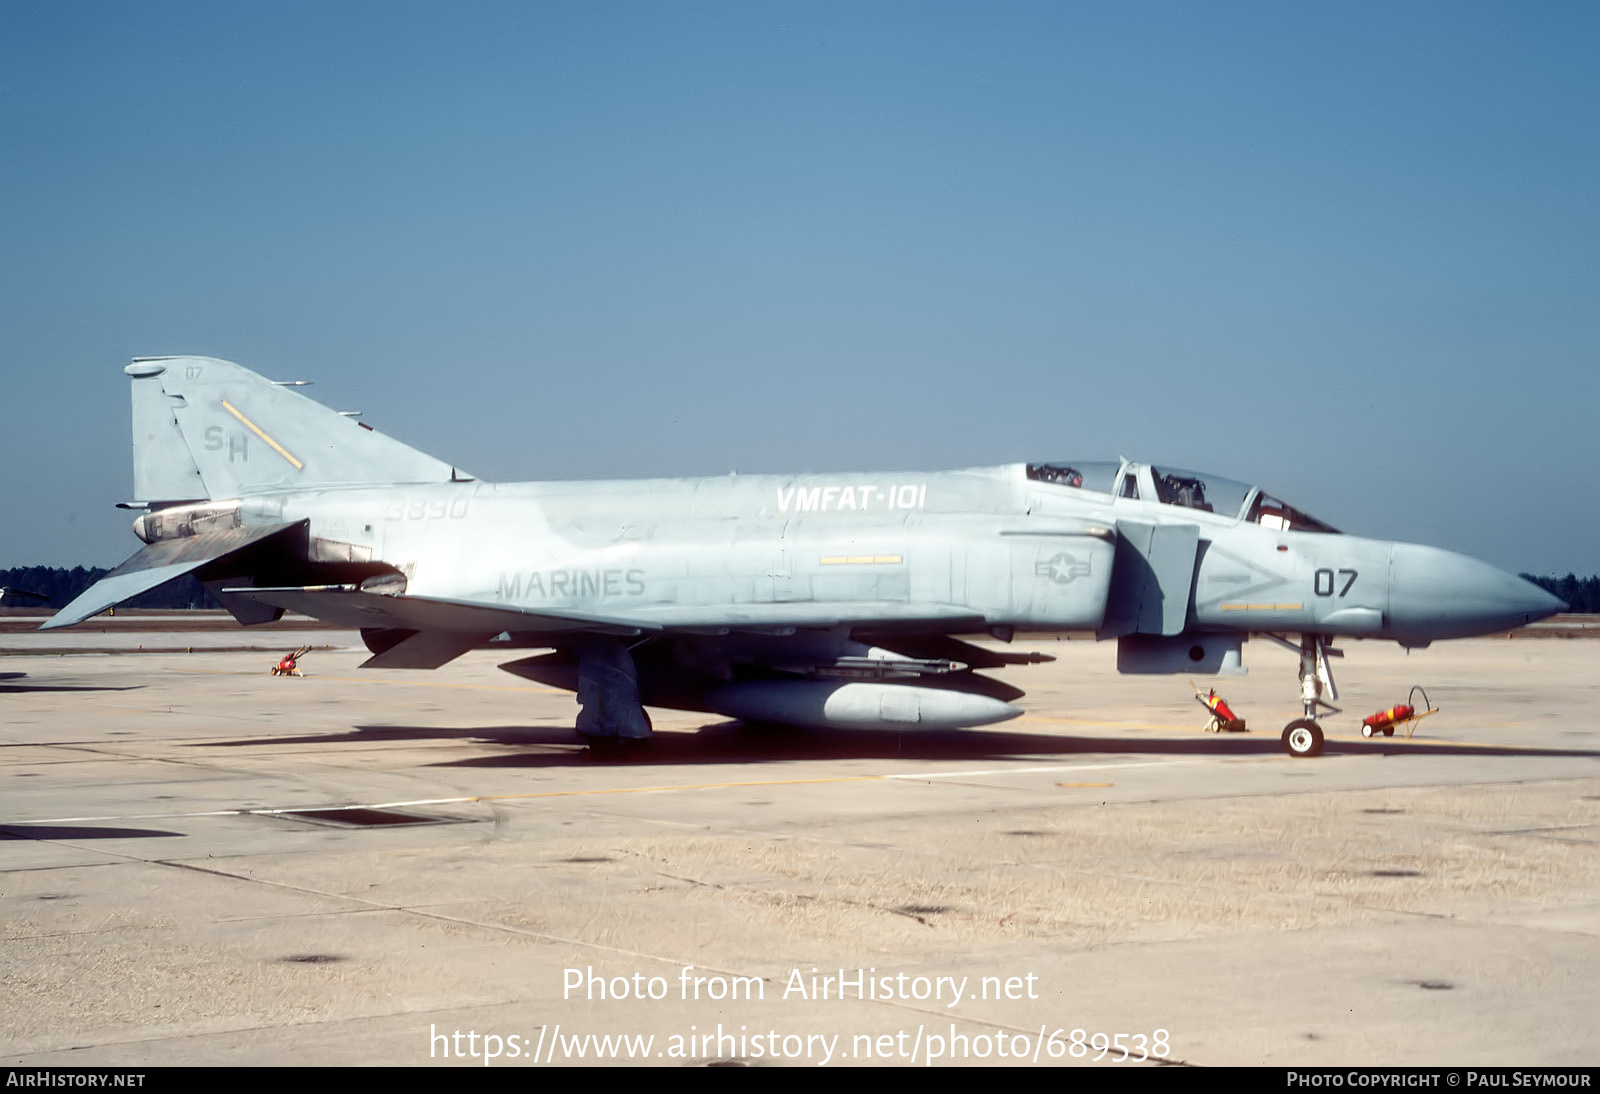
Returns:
(159,563)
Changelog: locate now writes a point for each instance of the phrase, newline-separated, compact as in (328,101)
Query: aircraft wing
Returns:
(347,606)
(431,631)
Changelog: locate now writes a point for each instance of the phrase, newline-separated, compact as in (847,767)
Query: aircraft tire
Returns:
(1366,731)
(1302,738)
(1388,731)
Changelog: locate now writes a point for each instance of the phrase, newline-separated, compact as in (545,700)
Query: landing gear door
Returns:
(1152,578)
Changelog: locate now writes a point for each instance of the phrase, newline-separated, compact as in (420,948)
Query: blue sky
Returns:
(1348,250)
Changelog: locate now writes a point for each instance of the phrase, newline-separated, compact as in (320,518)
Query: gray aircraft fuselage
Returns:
(830,600)
(990,542)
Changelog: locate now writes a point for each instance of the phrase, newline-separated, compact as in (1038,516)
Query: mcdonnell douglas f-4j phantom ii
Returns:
(811,600)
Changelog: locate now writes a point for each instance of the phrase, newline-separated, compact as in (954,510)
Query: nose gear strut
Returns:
(1303,736)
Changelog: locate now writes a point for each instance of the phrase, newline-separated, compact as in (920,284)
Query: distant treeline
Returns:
(61,585)
(1582,594)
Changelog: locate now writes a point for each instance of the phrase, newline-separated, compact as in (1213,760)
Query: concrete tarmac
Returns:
(205,864)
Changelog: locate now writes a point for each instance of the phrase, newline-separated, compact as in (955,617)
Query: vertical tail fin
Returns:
(207,429)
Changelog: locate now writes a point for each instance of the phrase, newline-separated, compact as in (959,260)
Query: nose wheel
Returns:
(1303,737)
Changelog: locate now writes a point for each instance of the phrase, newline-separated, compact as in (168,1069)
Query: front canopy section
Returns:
(1230,498)
(1200,490)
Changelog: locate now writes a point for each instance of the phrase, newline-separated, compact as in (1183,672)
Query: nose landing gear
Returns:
(1303,736)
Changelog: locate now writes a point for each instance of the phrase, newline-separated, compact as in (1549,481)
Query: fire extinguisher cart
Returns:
(1406,715)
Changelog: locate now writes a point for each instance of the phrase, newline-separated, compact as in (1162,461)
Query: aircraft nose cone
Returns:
(1440,594)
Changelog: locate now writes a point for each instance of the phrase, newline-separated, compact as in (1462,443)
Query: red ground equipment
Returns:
(1223,719)
(290,665)
(1404,714)
(1384,721)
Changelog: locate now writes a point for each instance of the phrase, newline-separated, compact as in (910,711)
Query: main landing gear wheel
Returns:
(1302,737)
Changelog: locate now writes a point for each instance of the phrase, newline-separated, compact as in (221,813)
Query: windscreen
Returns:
(1269,512)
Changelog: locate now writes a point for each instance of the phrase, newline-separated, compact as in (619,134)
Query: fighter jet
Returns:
(837,600)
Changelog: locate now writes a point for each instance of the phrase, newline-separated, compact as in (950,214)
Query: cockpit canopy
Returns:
(1197,490)
(1097,475)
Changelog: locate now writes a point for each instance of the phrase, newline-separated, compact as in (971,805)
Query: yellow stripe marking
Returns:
(276,447)
(861,560)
